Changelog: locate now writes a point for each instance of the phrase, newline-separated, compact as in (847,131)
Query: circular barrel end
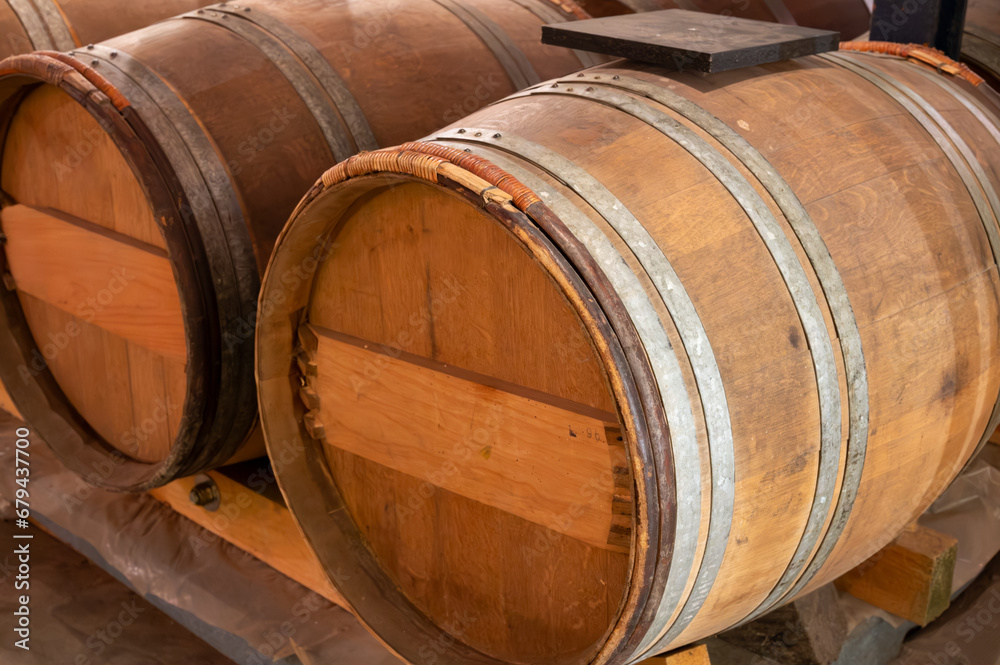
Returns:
(448,416)
(104,311)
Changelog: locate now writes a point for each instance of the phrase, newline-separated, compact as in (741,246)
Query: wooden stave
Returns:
(38,25)
(357,170)
(981,41)
(52,26)
(231,417)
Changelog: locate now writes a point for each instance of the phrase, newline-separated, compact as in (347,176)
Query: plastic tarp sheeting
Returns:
(232,600)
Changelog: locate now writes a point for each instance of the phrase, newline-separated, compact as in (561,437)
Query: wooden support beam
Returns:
(7,404)
(995,437)
(696,655)
(256,525)
(911,577)
(809,631)
(548,464)
(114,282)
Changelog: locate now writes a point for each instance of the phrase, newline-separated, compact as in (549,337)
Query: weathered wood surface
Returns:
(199,168)
(911,577)
(810,631)
(821,285)
(981,41)
(696,655)
(256,525)
(35,25)
(417,420)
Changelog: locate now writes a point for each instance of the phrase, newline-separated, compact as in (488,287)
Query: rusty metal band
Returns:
(696,343)
(520,70)
(983,34)
(215,208)
(834,290)
(975,181)
(662,356)
(981,52)
(56,22)
(991,123)
(806,304)
(33,24)
(548,14)
(320,105)
(333,84)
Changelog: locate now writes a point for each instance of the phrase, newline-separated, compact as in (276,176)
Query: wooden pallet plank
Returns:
(911,577)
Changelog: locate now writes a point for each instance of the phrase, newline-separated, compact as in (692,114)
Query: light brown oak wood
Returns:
(120,286)
(911,577)
(696,655)
(255,524)
(786,277)
(516,454)
(93,276)
(138,136)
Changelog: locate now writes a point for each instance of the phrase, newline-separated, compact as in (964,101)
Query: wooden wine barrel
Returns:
(848,17)
(634,356)
(30,25)
(34,25)
(145,179)
(981,41)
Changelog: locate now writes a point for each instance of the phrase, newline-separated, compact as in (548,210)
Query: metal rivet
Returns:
(90,47)
(597,77)
(479,133)
(200,11)
(615,78)
(555,85)
(114,54)
(246,9)
(497,136)
(569,89)
(590,88)
(468,150)
(93,63)
(461,131)
(580,75)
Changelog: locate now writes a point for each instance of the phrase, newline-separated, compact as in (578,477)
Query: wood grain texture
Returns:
(888,201)
(87,21)
(123,287)
(449,288)
(696,655)
(981,42)
(810,631)
(93,276)
(256,525)
(911,577)
(257,137)
(516,454)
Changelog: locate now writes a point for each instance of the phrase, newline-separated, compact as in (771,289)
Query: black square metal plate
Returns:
(681,39)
